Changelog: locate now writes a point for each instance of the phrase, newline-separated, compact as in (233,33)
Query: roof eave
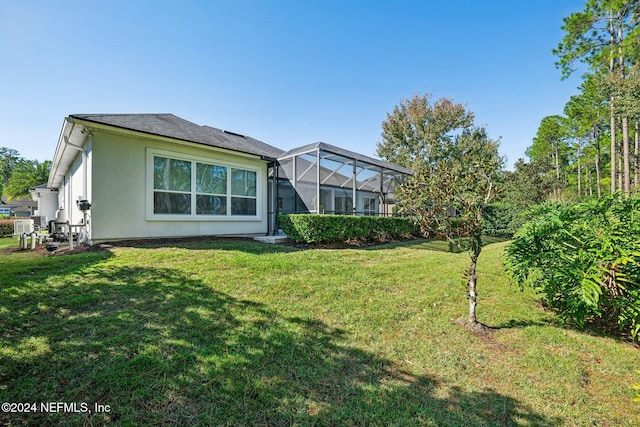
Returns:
(70,141)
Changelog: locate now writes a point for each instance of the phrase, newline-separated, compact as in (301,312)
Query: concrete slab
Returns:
(278,238)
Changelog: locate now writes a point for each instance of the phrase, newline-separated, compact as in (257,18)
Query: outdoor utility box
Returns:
(83,205)
(39,222)
(21,226)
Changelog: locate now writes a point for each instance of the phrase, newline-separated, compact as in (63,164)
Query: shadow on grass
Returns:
(241,244)
(250,246)
(433,245)
(161,348)
(521,324)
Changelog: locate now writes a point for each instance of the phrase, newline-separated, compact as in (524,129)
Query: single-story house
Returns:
(158,175)
(24,207)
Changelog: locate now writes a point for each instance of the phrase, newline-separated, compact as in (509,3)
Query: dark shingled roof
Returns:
(172,126)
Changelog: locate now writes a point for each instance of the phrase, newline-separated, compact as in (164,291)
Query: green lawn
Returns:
(240,333)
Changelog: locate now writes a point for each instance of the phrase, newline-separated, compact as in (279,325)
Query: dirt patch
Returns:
(39,250)
(484,333)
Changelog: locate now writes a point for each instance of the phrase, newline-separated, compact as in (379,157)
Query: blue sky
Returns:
(286,72)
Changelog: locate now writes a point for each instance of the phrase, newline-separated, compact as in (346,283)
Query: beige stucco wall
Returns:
(119,191)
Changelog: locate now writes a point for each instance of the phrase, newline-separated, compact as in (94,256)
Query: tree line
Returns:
(591,149)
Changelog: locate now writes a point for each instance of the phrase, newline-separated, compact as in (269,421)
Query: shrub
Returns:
(6,227)
(310,228)
(585,258)
(502,220)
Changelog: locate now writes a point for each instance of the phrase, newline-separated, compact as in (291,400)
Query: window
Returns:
(190,187)
(243,192)
(171,186)
(211,189)
(343,204)
(369,206)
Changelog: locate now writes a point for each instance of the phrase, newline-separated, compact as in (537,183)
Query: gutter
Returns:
(69,128)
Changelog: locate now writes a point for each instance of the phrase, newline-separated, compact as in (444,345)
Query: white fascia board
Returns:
(70,142)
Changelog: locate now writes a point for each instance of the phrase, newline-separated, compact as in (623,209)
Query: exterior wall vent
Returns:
(234,134)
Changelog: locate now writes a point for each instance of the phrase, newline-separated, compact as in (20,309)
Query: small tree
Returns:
(27,174)
(418,133)
(450,197)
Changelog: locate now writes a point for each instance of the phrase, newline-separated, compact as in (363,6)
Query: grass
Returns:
(240,333)
(6,242)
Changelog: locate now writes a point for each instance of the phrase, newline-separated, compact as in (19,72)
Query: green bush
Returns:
(502,220)
(585,259)
(6,227)
(311,228)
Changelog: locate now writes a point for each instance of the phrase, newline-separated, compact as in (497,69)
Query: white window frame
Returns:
(369,212)
(193,216)
(340,198)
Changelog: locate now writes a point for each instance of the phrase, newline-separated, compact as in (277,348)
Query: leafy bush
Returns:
(310,228)
(585,258)
(6,227)
(502,220)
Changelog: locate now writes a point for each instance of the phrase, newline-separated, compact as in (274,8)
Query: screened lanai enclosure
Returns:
(322,178)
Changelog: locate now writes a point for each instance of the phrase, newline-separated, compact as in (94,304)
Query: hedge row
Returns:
(310,228)
(6,227)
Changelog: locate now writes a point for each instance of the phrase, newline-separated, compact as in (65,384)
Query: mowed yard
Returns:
(241,333)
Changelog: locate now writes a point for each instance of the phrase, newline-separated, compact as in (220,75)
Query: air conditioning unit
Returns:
(21,226)
(40,222)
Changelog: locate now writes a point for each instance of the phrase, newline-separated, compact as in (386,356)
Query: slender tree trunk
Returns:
(597,144)
(473,295)
(476,248)
(626,157)
(626,176)
(620,187)
(612,120)
(613,149)
(635,158)
(579,170)
(557,162)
